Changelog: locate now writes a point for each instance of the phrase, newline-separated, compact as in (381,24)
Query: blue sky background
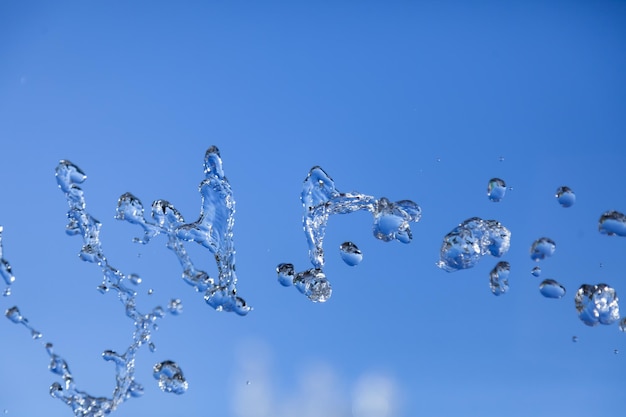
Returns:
(409,100)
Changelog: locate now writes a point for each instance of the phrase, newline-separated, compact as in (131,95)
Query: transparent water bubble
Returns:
(150,291)
(314,285)
(549,288)
(496,188)
(597,304)
(350,253)
(542,248)
(14,315)
(612,223)
(499,278)
(622,324)
(134,279)
(565,196)
(170,377)
(536,271)
(175,306)
(286,274)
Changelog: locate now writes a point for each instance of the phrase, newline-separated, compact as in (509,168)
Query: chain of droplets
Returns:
(320,200)
(213,230)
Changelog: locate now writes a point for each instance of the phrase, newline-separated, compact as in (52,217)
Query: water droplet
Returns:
(467,243)
(152,347)
(175,307)
(612,223)
(496,188)
(499,278)
(616,351)
(14,315)
(170,377)
(150,291)
(350,253)
(7,292)
(542,248)
(286,274)
(438,159)
(575,339)
(501,159)
(35,334)
(248,382)
(536,271)
(597,304)
(314,285)
(622,324)
(549,288)
(565,196)
(134,279)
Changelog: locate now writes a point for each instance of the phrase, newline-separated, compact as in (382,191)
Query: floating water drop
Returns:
(565,196)
(542,248)
(170,377)
(134,279)
(612,223)
(549,288)
(7,292)
(501,159)
(496,188)
(321,199)
(499,278)
(14,315)
(536,271)
(350,253)
(616,351)
(150,291)
(597,304)
(175,307)
(467,243)
(575,339)
(622,324)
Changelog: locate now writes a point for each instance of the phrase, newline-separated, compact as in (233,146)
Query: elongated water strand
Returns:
(213,230)
(321,199)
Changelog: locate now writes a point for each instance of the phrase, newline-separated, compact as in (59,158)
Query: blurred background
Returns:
(411,100)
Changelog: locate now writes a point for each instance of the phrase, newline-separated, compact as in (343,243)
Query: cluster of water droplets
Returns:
(321,199)
(213,230)
(597,304)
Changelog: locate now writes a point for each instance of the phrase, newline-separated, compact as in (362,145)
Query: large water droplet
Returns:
(565,196)
(549,288)
(350,253)
(612,223)
(467,243)
(314,285)
(542,248)
(597,304)
(499,278)
(170,377)
(496,188)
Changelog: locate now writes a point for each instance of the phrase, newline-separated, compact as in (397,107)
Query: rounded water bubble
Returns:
(499,278)
(350,253)
(496,188)
(170,377)
(286,274)
(536,271)
(574,339)
(134,279)
(565,196)
(612,223)
(542,248)
(175,306)
(549,288)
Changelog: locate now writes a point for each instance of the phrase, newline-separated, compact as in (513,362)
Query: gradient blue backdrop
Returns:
(409,100)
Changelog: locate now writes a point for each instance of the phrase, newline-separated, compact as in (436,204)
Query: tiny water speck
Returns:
(574,339)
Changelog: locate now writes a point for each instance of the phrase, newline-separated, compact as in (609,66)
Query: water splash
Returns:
(542,248)
(350,253)
(565,196)
(213,230)
(549,288)
(170,377)
(612,223)
(496,188)
(321,199)
(597,304)
(467,243)
(499,278)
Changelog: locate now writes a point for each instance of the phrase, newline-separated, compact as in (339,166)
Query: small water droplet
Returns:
(152,347)
(350,253)
(14,315)
(622,324)
(175,306)
(248,382)
(536,271)
(170,377)
(438,159)
(499,278)
(549,288)
(616,351)
(496,188)
(134,279)
(150,291)
(612,223)
(35,334)
(565,196)
(286,274)
(7,292)
(542,248)
(575,339)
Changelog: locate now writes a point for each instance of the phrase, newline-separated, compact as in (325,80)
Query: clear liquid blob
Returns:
(213,230)
(320,199)
(170,377)
(549,288)
(467,243)
(536,271)
(175,306)
(5,270)
(565,196)
(622,324)
(499,278)
(350,253)
(597,304)
(496,188)
(542,248)
(612,223)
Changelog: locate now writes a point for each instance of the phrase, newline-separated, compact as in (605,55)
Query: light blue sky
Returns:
(409,100)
